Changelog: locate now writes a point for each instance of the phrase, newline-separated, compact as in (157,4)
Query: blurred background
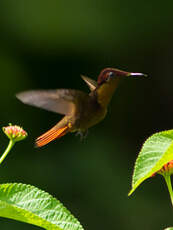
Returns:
(48,44)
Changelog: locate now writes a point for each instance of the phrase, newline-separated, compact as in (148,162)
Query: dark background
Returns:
(48,44)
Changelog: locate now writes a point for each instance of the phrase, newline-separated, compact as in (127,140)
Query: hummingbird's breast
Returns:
(89,114)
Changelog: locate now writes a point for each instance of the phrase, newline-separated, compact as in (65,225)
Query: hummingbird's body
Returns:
(81,110)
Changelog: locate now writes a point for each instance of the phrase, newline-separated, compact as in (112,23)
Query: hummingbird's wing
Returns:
(90,82)
(63,101)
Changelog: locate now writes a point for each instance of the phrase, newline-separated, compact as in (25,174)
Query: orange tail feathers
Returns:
(51,135)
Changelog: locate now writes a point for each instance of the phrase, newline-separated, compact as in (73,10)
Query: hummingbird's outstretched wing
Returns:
(63,101)
(92,84)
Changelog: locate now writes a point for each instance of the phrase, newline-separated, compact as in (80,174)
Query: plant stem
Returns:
(10,145)
(168,182)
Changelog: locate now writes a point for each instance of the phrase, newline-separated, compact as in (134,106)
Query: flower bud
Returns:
(15,133)
(167,168)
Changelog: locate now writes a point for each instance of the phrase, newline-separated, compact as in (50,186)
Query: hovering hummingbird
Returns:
(81,110)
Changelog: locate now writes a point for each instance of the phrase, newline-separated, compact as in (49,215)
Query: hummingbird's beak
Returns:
(137,74)
(127,74)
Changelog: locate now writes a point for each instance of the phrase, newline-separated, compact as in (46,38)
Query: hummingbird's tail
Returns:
(51,135)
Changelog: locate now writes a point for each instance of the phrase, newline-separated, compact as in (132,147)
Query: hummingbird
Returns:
(81,110)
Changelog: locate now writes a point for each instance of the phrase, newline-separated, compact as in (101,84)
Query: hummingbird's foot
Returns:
(82,134)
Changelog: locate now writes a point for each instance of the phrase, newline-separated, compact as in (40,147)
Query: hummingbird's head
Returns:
(108,74)
(107,83)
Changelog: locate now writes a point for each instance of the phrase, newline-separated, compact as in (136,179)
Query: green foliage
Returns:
(170,228)
(156,151)
(28,204)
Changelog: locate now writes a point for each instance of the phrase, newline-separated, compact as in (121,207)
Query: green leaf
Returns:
(156,151)
(29,204)
(170,228)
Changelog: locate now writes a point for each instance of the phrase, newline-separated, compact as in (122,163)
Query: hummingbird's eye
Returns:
(110,75)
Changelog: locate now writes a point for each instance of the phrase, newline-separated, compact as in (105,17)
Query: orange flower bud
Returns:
(167,168)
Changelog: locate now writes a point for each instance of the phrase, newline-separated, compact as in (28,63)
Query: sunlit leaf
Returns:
(156,151)
(31,205)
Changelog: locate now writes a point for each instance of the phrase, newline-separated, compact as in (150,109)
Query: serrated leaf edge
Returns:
(53,226)
(157,167)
